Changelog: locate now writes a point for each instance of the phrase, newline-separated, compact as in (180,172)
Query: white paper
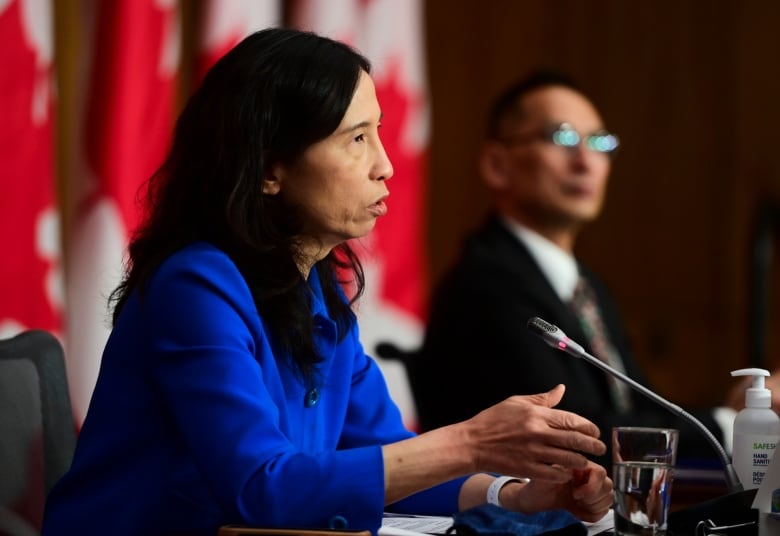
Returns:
(605,523)
(411,525)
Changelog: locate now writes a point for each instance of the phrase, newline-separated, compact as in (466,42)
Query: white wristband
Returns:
(495,488)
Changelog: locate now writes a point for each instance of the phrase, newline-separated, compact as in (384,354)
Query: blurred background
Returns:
(686,241)
(687,237)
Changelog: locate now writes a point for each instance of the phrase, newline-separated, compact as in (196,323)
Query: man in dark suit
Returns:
(546,160)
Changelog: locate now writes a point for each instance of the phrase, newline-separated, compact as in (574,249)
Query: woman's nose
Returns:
(383,168)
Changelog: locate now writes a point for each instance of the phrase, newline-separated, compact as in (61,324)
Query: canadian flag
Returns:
(30,282)
(224,24)
(389,33)
(133,50)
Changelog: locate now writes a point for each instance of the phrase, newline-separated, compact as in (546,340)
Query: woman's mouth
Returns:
(379,208)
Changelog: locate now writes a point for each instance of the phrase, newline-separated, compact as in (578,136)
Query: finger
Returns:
(601,498)
(548,472)
(597,507)
(580,476)
(594,471)
(564,458)
(591,479)
(549,399)
(588,491)
(599,503)
(566,420)
(555,395)
(575,441)
(593,484)
(580,480)
(591,516)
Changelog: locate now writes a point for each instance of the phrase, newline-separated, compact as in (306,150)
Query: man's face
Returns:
(547,185)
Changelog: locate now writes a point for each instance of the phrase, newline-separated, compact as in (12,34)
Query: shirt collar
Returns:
(558,266)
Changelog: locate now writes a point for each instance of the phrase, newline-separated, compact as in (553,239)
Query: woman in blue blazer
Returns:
(234,388)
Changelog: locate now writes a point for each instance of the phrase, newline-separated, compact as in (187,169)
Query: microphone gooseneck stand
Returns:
(734,508)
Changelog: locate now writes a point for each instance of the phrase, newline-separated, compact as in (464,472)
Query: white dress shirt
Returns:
(560,269)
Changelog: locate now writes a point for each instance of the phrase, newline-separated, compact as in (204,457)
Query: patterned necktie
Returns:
(584,305)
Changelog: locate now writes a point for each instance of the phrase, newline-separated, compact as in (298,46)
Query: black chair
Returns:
(419,384)
(37,430)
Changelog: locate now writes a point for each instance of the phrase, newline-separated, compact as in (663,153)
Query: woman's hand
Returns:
(587,495)
(525,436)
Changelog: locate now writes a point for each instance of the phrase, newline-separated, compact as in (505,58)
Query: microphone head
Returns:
(549,333)
(554,336)
(541,327)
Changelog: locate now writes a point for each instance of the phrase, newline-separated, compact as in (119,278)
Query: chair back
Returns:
(37,430)
(410,359)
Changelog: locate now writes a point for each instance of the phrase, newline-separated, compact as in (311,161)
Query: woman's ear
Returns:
(271,183)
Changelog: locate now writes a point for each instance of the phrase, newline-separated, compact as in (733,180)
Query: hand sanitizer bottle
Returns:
(756,431)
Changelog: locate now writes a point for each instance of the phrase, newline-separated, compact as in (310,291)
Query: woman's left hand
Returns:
(588,495)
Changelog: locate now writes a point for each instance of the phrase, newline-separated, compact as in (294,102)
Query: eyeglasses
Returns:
(564,135)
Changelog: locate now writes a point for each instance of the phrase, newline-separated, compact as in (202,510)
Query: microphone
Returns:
(556,338)
(735,507)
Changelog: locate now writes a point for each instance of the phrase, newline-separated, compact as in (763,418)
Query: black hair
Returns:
(505,106)
(268,99)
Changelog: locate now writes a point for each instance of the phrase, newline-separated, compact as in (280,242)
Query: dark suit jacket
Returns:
(478,351)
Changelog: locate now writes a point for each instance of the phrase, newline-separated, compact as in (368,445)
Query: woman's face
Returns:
(339,182)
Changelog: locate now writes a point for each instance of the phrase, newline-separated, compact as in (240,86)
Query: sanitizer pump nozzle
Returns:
(756,396)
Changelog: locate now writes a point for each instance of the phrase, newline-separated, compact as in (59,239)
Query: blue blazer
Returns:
(196,421)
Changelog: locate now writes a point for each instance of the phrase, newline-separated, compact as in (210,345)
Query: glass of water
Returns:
(642,468)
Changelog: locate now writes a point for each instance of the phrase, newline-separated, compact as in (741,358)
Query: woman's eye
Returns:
(360,137)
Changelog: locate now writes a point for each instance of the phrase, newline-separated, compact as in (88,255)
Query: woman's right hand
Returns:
(522,436)
(525,436)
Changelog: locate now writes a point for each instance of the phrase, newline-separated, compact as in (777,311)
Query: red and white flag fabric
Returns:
(30,282)
(133,51)
(389,33)
(225,23)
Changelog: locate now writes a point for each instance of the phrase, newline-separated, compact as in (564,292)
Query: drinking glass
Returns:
(642,469)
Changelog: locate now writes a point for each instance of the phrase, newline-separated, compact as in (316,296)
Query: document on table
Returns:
(413,525)
(606,523)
